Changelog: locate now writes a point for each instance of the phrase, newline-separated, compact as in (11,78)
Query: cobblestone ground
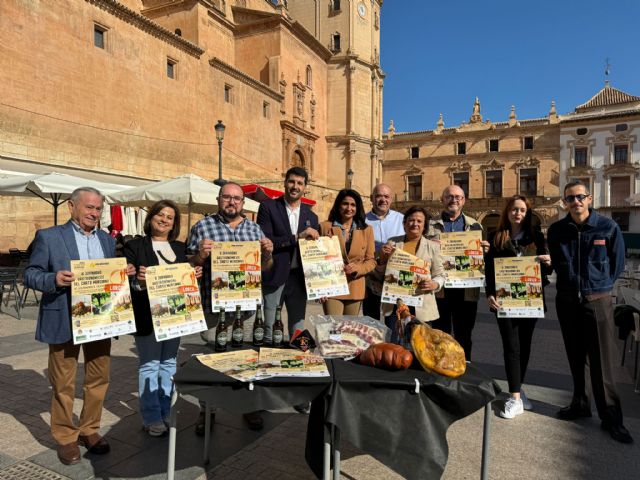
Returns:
(532,446)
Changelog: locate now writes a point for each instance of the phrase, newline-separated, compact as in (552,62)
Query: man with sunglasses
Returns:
(228,225)
(587,253)
(457,306)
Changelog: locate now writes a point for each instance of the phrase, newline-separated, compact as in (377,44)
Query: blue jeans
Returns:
(157,364)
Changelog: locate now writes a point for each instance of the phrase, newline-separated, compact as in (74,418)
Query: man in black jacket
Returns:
(587,252)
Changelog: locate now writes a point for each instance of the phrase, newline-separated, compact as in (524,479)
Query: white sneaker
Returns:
(526,403)
(156,429)
(512,408)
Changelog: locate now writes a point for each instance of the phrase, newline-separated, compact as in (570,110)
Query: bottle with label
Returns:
(258,328)
(278,328)
(221,333)
(237,332)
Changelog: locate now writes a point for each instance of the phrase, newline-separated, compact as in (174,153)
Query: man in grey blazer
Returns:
(49,271)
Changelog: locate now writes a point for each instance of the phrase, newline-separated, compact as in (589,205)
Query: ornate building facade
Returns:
(130,90)
(599,146)
(489,161)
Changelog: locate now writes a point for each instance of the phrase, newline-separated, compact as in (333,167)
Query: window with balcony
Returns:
(461,179)
(621,154)
(580,156)
(414,183)
(619,190)
(493,183)
(529,182)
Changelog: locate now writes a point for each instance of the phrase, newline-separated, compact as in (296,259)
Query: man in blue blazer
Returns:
(285,220)
(49,271)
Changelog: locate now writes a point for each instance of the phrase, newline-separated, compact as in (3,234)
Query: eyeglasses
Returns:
(580,197)
(454,197)
(231,198)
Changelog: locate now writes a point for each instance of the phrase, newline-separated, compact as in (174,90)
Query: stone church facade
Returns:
(130,90)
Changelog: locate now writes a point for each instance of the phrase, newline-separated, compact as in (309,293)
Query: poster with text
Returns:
(401,278)
(462,259)
(323,268)
(519,287)
(239,364)
(100,300)
(279,362)
(174,300)
(236,276)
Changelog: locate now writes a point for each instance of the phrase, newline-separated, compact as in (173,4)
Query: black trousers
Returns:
(371,305)
(588,333)
(516,336)
(457,316)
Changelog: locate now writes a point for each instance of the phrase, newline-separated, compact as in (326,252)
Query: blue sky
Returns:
(439,55)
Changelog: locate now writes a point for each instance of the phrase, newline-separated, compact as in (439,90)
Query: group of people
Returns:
(585,249)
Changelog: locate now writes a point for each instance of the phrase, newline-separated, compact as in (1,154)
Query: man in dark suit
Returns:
(285,220)
(49,271)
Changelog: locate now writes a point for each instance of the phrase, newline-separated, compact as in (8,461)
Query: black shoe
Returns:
(254,419)
(200,423)
(574,412)
(617,432)
(303,408)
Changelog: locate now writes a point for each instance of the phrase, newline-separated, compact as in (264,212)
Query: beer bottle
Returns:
(278,328)
(258,328)
(221,333)
(237,332)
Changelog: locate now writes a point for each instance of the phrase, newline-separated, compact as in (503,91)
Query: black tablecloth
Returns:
(222,391)
(378,412)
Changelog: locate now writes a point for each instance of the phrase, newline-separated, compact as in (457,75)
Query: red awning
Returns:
(260,193)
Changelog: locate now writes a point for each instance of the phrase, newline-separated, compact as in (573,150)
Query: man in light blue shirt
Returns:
(386,223)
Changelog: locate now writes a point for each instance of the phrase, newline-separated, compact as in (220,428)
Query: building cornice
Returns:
(143,23)
(288,125)
(218,64)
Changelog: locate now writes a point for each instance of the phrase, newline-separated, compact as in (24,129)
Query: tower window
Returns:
(178,32)
(227,93)
(335,5)
(335,42)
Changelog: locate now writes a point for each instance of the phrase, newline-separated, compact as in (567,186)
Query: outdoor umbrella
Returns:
(53,188)
(191,191)
(261,193)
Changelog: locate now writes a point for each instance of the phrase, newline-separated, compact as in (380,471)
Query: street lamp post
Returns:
(350,177)
(219,128)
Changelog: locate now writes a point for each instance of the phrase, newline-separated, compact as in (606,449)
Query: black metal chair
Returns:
(9,287)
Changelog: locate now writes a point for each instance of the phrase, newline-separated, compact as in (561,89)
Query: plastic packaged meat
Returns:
(345,336)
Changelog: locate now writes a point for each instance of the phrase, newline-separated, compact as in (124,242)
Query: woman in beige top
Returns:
(416,224)
(346,221)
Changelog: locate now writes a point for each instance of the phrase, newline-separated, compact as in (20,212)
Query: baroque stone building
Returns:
(489,161)
(599,146)
(130,90)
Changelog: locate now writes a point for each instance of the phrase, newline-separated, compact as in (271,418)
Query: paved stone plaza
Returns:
(532,446)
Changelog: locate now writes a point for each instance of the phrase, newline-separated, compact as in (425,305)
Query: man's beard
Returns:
(228,216)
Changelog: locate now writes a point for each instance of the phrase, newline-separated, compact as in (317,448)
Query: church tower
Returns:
(351,30)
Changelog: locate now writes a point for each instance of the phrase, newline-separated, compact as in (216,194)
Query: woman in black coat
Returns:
(515,237)
(157,360)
